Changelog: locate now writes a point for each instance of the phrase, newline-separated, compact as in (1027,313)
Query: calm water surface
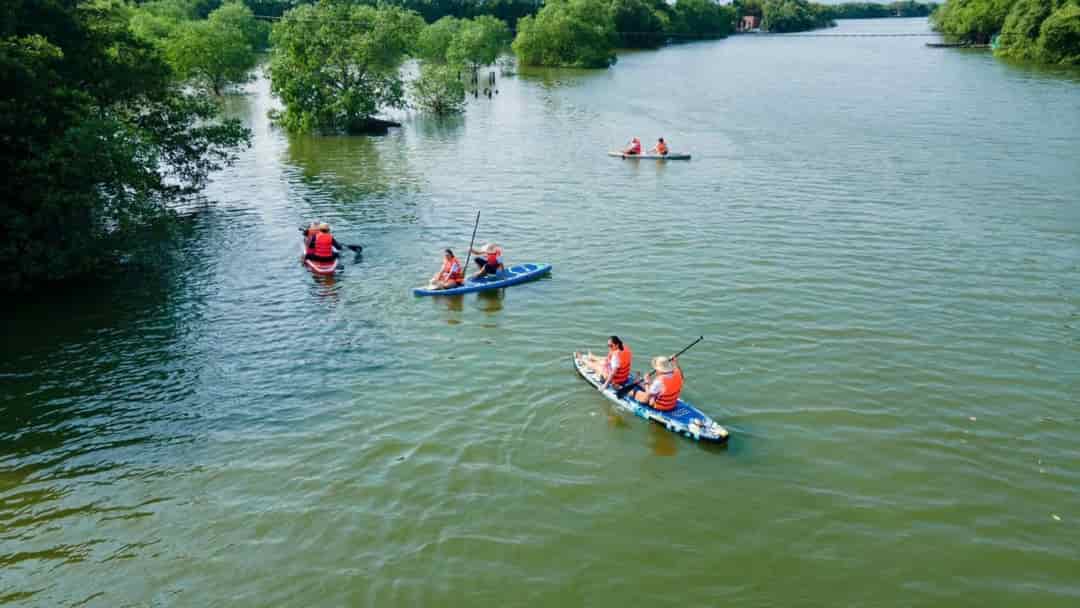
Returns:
(880,242)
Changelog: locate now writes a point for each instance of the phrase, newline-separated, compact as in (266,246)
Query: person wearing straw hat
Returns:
(667,382)
(633,148)
(489,259)
(322,246)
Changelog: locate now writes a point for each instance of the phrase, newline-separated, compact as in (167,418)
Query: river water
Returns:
(879,241)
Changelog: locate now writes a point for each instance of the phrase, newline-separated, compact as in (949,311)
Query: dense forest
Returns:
(1044,31)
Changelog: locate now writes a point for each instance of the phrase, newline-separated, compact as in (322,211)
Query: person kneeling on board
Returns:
(322,246)
(663,391)
(450,275)
(615,367)
(634,148)
(660,147)
(491,262)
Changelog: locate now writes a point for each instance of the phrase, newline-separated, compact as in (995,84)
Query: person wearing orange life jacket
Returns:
(310,231)
(322,246)
(489,259)
(634,148)
(615,367)
(660,147)
(450,275)
(663,391)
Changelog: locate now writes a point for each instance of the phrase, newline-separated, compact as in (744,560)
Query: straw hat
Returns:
(324,227)
(662,364)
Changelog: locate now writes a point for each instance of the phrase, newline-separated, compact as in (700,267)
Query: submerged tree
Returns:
(478,42)
(571,33)
(438,89)
(336,64)
(98,139)
(212,54)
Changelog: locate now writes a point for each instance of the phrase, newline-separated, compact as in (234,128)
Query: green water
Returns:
(879,241)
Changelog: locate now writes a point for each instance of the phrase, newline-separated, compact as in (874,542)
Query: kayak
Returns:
(668,156)
(685,419)
(520,273)
(316,266)
(321,267)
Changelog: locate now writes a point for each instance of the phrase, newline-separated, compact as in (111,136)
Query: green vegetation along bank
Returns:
(100,137)
(1043,31)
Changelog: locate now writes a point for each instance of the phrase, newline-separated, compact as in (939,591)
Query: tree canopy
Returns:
(99,139)
(571,33)
(1045,31)
(336,64)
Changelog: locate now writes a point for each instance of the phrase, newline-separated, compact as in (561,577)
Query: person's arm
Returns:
(613,364)
(338,245)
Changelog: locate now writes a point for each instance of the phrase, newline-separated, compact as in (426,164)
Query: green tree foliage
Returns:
(784,16)
(702,19)
(215,52)
(237,14)
(971,20)
(875,10)
(744,8)
(336,64)
(508,11)
(478,42)
(434,39)
(438,89)
(640,23)
(98,139)
(1059,38)
(571,33)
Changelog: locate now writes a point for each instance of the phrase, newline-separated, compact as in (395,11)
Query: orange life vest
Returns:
(661,148)
(493,257)
(451,271)
(324,245)
(626,358)
(635,147)
(670,387)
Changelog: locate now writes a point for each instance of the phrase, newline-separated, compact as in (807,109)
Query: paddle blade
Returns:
(356,248)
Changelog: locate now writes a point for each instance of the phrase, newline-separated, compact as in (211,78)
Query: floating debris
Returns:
(1055,516)
(972,418)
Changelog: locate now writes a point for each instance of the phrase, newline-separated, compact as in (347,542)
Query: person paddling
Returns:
(322,246)
(615,367)
(660,147)
(665,386)
(310,231)
(450,275)
(634,148)
(491,260)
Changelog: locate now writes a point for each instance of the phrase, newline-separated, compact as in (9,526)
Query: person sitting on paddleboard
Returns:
(451,275)
(322,246)
(663,392)
(660,147)
(634,148)
(615,367)
(491,260)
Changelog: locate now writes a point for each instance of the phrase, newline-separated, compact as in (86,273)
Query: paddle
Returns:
(465,268)
(356,248)
(622,392)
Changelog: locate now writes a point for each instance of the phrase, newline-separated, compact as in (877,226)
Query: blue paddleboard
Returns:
(685,419)
(513,275)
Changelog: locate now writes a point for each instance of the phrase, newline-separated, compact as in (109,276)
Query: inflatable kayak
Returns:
(685,419)
(321,267)
(513,275)
(668,156)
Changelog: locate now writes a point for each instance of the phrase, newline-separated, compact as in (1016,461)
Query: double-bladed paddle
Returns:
(622,392)
(356,248)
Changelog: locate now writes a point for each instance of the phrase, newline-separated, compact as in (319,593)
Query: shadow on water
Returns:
(439,128)
(491,301)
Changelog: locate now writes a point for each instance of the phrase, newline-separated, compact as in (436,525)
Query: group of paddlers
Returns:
(659,389)
(452,273)
(634,147)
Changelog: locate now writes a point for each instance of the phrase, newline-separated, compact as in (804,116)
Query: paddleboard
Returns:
(669,156)
(685,419)
(513,275)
